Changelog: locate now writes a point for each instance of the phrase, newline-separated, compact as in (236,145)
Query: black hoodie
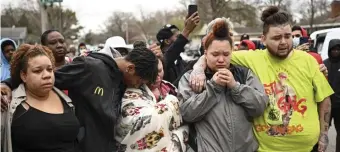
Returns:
(97,92)
(174,65)
(333,66)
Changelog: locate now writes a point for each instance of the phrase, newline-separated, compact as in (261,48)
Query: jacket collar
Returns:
(20,93)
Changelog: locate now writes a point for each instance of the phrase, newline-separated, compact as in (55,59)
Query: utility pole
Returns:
(311,20)
(127,32)
(61,18)
(43,15)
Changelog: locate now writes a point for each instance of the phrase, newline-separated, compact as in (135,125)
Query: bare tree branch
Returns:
(27,15)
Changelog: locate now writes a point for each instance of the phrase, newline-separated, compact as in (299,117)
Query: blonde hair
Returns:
(225,20)
(220,31)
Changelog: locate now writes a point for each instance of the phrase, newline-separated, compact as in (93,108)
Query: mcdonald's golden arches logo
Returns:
(99,91)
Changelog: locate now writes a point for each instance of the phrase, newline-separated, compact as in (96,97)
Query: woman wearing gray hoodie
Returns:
(222,114)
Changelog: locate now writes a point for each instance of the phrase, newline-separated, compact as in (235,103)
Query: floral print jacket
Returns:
(150,126)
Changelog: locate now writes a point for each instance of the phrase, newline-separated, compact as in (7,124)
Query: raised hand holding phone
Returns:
(191,21)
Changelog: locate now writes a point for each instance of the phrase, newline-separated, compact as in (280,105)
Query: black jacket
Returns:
(189,66)
(95,85)
(172,69)
(333,66)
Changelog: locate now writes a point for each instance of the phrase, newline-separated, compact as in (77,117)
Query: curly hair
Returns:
(19,62)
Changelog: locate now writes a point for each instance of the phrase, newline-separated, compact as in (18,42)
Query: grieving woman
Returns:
(222,113)
(150,120)
(40,117)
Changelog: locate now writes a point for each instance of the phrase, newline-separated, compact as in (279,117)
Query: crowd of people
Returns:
(274,98)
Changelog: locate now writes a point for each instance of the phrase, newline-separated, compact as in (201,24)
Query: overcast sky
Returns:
(93,13)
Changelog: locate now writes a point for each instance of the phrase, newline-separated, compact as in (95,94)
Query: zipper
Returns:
(231,120)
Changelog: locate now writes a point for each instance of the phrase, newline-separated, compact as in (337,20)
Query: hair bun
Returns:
(139,45)
(220,29)
(271,10)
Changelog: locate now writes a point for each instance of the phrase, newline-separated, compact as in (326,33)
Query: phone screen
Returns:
(192,9)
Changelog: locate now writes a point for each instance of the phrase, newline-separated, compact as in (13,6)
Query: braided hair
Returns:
(145,61)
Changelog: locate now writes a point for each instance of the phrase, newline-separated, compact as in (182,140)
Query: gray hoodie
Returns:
(223,117)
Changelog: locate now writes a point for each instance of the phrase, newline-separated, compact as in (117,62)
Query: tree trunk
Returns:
(213,8)
(44,17)
(311,21)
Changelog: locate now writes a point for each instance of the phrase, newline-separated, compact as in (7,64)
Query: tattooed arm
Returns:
(324,108)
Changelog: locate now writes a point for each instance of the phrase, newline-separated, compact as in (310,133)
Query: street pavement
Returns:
(331,137)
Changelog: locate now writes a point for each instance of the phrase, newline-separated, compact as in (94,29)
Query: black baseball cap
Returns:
(166,32)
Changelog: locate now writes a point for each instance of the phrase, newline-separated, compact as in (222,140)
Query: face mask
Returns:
(296,42)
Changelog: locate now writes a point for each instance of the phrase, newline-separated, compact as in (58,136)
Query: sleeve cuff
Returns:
(236,89)
(217,86)
(185,40)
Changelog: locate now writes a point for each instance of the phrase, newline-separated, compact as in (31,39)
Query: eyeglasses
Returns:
(297,35)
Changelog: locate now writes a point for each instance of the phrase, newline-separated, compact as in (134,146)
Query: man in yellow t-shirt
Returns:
(296,88)
(298,113)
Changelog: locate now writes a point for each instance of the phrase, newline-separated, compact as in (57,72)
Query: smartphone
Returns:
(303,40)
(192,9)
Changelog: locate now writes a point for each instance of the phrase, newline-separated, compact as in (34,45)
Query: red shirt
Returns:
(316,56)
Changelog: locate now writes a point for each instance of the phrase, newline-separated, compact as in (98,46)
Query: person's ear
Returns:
(23,76)
(130,69)
(263,40)
(167,41)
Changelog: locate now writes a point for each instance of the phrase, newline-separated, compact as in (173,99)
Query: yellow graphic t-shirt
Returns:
(294,86)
